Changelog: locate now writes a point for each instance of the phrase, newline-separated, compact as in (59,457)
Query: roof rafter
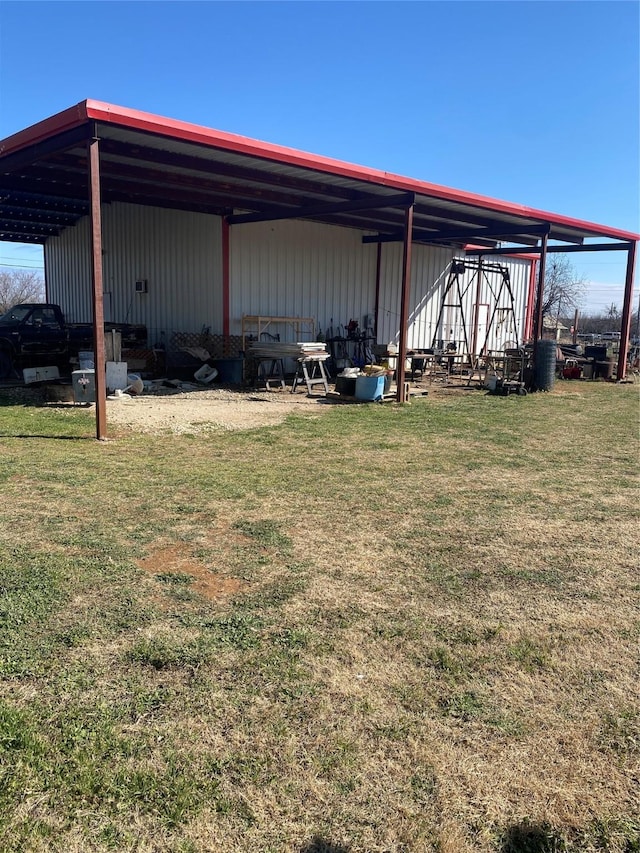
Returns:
(371,203)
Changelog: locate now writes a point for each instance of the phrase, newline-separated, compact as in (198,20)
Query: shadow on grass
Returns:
(55,437)
(322,845)
(528,837)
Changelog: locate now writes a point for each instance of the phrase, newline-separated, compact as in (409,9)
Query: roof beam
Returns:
(536,250)
(466,214)
(165,203)
(141,174)
(27,200)
(19,237)
(127,192)
(34,216)
(12,162)
(369,203)
(497,232)
(35,228)
(217,168)
(418,237)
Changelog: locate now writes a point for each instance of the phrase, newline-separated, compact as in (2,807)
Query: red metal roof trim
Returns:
(66,120)
(137,120)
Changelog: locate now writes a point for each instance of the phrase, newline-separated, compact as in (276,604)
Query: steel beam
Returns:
(537,327)
(28,156)
(17,237)
(38,229)
(93,150)
(419,236)
(53,203)
(226,287)
(404,304)
(455,235)
(625,326)
(370,203)
(377,301)
(218,169)
(36,217)
(476,313)
(537,250)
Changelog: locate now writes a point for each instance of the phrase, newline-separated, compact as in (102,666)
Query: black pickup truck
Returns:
(36,334)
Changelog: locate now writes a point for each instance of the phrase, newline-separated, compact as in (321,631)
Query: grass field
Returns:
(381,629)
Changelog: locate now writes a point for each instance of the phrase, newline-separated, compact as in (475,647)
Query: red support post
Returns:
(537,324)
(476,315)
(377,305)
(93,151)
(404,304)
(625,327)
(225,278)
(531,298)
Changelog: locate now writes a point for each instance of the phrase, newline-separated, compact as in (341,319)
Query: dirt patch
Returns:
(196,412)
(171,560)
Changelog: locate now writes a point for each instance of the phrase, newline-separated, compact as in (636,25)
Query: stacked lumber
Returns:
(277,349)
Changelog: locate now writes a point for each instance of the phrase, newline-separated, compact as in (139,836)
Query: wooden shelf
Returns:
(254,326)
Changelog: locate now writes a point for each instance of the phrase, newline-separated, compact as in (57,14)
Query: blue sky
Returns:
(532,102)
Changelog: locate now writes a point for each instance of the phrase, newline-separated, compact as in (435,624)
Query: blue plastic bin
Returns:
(230,370)
(369,387)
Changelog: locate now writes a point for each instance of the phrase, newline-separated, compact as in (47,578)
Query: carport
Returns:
(64,168)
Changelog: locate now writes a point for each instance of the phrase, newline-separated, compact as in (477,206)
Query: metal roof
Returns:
(150,160)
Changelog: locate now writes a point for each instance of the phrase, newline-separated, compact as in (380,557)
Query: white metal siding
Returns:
(429,269)
(283,268)
(502,319)
(301,269)
(177,252)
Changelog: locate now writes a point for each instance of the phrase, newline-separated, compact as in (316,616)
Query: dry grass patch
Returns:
(384,629)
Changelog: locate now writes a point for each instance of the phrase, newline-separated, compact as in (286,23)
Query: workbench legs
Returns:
(312,372)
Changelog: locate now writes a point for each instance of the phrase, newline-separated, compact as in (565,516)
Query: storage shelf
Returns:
(255,325)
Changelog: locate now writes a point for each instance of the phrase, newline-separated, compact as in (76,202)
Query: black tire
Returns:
(7,368)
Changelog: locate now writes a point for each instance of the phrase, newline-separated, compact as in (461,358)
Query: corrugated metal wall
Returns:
(501,303)
(429,268)
(301,269)
(178,253)
(443,307)
(283,268)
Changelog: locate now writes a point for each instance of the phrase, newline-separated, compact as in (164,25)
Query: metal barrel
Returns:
(545,369)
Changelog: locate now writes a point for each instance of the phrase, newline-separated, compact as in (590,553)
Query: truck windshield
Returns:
(16,315)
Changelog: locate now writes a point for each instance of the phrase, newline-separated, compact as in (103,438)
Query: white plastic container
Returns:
(40,374)
(116,376)
(84,386)
(205,374)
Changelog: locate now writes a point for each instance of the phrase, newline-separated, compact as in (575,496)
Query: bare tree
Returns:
(613,313)
(18,286)
(563,288)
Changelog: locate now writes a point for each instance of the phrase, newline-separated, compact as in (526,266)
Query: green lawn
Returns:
(382,629)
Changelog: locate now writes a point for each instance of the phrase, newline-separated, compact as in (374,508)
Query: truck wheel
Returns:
(6,364)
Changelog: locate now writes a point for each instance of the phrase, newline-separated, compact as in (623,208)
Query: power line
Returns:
(21,267)
(26,260)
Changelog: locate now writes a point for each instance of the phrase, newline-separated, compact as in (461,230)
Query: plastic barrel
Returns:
(545,375)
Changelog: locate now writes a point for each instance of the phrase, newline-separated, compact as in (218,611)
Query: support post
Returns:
(537,322)
(625,328)
(531,298)
(225,278)
(93,151)
(404,304)
(377,306)
(476,316)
